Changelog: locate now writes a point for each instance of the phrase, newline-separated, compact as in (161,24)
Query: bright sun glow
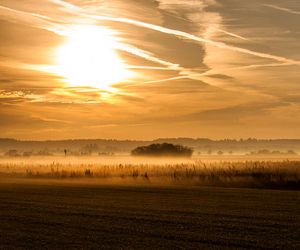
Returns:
(88,58)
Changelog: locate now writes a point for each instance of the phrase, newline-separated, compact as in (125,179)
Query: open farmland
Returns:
(70,215)
(150,203)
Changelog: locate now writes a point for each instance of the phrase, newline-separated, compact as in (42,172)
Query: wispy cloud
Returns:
(32,19)
(48,24)
(207,67)
(195,38)
(177,33)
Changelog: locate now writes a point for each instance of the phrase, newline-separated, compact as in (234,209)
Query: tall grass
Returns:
(261,174)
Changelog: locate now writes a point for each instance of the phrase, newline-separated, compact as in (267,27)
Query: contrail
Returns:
(162,80)
(282,9)
(147,55)
(231,34)
(44,22)
(148,67)
(66,5)
(217,29)
(198,76)
(40,21)
(32,18)
(178,33)
(255,66)
(194,38)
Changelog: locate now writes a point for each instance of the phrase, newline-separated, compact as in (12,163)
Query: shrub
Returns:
(12,153)
(164,149)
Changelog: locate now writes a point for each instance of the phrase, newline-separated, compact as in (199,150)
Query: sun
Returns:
(88,58)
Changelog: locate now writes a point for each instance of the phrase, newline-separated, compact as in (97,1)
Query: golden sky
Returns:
(143,69)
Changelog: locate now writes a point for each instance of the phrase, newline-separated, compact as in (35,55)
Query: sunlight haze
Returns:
(149,69)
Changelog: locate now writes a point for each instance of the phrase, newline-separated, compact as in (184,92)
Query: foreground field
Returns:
(68,215)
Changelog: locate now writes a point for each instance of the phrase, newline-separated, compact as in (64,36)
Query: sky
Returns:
(145,69)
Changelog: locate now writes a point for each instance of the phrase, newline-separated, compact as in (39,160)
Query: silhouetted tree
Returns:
(163,149)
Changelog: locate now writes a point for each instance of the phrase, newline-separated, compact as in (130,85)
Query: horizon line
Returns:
(150,140)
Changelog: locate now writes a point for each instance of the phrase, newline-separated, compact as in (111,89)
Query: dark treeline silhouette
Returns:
(103,146)
(163,149)
(275,152)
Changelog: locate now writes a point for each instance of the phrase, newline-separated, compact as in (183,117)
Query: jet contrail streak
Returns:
(194,38)
(147,67)
(282,9)
(44,22)
(148,56)
(33,19)
(217,29)
(256,66)
(162,80)
(231,34)
(176,33)
(49,24)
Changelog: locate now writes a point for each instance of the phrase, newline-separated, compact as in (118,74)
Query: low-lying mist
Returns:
(235,172)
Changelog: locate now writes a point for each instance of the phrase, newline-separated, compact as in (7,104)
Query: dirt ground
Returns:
(58,215)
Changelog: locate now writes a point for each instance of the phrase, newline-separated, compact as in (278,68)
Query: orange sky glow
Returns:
(147,69)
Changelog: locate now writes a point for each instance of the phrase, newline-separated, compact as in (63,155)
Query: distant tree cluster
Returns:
(163,149)
(12,153)
(89,149)
(275,152)
(16,153)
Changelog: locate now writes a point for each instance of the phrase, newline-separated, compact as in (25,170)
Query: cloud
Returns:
(33,19)
(292,99)
(188,73)
(195,38)
(234,113)
(201,67)
(179,33)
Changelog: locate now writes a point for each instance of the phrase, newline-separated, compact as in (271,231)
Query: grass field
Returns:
(235,172)
(135,203)
(43,214)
